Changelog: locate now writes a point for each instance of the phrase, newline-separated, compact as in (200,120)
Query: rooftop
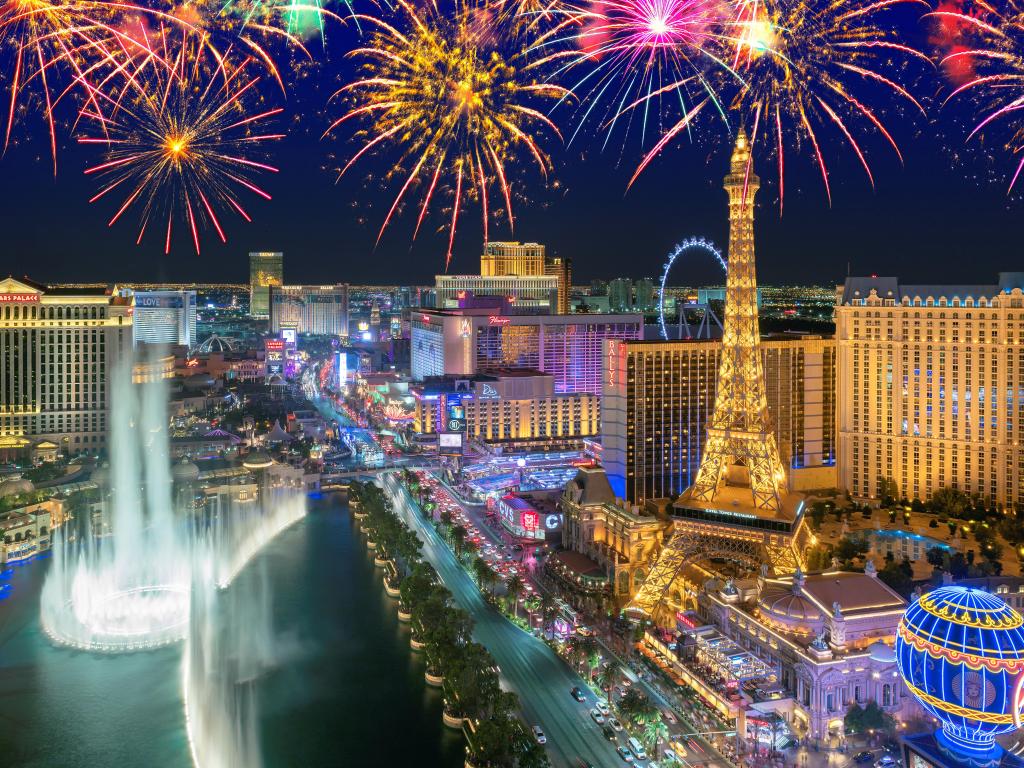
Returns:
(890,288)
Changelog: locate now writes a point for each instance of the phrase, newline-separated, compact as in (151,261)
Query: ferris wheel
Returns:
(687,245)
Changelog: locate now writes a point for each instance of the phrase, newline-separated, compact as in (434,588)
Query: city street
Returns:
(528,667)
(476,513)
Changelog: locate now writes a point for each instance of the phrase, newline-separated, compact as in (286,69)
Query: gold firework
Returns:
(806,65)
(437,87)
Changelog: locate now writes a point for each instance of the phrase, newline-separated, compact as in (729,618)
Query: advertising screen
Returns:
(450,443)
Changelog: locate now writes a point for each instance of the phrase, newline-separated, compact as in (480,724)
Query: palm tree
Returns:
(547,610)
(515,588)
(654,731)
(459,534)
(470,550)
(483,572)
(607,678)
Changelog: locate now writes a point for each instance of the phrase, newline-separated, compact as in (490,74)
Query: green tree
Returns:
(607,678)
(514,589)
(936,557)
(949,501)
(849,549)
(899,576)
(458,534)
(486,578)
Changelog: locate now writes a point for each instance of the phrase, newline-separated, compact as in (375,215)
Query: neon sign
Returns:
(19,298)
(498,320)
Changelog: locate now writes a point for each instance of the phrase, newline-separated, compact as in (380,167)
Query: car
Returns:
(609,733)
(624,753)
(669,717)
(614,723)
(695,746)
(583,631)
(671,756)
(886,761)
(602,707)
(597,717)
(577,693)
(863,757)
(538,734)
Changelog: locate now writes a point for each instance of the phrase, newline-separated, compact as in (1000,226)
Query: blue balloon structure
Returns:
(961,652)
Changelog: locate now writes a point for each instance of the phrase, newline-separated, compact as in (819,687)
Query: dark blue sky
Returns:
(928,221)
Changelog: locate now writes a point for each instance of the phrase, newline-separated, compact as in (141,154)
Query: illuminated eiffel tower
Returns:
(738,508)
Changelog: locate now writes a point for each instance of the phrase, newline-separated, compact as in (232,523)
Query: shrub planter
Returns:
(371,544)
(379,562)
(415,644)
(359,515)
(434,680)
(391,591)
(452,721)
(404,615)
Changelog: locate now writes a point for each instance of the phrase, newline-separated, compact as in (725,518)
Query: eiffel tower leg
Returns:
(652,592)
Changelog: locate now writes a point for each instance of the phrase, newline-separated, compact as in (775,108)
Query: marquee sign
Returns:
(19,298)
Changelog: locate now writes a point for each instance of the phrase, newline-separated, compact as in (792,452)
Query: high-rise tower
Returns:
(738,509)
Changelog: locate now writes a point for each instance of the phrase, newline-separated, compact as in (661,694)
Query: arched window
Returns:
(886,695)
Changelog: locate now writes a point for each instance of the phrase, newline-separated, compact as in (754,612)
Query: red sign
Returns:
(425,318)
(275,344)
(530,521)
(498,320)
(19,298)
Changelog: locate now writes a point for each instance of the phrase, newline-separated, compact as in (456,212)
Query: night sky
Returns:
(931,220)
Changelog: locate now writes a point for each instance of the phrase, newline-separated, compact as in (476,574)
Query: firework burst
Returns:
(645,62)
(439,90)
(982,53)
(808,65)
(183,138)
(50,43)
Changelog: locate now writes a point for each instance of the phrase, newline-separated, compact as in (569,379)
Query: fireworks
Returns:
(43,38)
(455,110)
(182,138)
(640,61)
(807,65)
(982,52)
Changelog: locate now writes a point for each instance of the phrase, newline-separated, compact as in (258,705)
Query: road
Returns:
(681,732)
(529,668)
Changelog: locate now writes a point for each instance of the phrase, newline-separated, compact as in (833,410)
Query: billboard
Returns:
(449,443)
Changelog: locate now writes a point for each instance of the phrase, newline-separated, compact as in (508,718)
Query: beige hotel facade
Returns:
(931,387)
(58,349)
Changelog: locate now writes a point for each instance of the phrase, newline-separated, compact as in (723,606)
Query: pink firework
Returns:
(642,61)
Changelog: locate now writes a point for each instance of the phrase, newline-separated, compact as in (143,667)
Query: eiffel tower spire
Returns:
(739,507)
(740,446)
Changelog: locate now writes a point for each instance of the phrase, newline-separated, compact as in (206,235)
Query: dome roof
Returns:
(14,487)
(185,471)
(258,459)
(881,652)
(788,606)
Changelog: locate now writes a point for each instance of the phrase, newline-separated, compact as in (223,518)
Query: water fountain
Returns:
(229,646)
(123,584)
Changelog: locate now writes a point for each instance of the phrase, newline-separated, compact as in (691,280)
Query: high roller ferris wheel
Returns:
(689,244)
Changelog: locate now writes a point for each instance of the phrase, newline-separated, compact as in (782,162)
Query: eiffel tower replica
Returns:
(739,508)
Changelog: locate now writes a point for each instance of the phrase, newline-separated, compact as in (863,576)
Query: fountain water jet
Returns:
(125,587)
